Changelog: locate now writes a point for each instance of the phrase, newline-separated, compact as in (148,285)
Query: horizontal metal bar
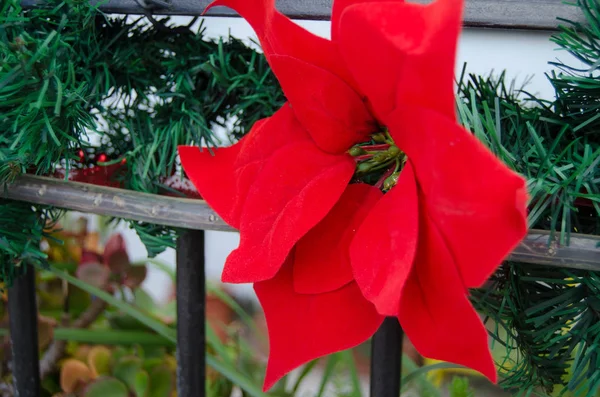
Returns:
(583,251)
(506,14)
(126,204)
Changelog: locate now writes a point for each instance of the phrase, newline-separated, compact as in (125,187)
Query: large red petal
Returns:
(263,141)
(322,261)
(334,115)
(294,191)
(223,176)
(270,134)
(279,35)
(212,174)
(476,201)
(435,312)
(383,250)
(419,43)
(304,327)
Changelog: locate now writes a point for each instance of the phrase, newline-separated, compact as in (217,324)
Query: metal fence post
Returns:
(191,315)
(386,359)
(22,311)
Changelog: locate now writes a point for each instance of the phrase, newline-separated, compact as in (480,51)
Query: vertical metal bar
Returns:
(22,311)
(191,314)
(386,359)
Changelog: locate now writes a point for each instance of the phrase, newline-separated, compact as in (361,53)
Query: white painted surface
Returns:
(523,54)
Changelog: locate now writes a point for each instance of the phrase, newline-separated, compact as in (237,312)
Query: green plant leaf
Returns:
(230,373)
(162,382)
(167,313)
(460,387)
(305,371)
(142,383)
(99,360)
(126,308)
(126,370)
(109,337)
(160,265)
(423,370)
(143,300)
(105,387)
(351,363)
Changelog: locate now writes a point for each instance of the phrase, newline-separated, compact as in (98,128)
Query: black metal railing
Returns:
(22,312)
(194,215)
(191,314)
(503,14)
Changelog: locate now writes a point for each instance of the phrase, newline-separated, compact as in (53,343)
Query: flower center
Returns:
(378,161)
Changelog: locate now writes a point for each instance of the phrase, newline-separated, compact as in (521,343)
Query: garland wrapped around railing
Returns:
(68,71)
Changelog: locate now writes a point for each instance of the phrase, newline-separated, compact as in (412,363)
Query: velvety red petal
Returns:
(212,175)
(476,201)
(419,43)
(339,6)
(266,137)
(270,134)
(279,35)
(383,249)
(322,259)
(304,327)
(224,176)
(334,115)
(435,312)
(296,188)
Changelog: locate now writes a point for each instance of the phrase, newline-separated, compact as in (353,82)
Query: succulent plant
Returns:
(102,372)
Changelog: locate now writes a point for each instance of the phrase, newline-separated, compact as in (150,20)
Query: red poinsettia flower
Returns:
(370,112)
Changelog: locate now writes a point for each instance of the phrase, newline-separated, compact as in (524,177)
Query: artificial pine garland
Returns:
(67,70)
(547,319)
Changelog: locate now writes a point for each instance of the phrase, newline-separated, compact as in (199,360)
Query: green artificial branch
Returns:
(22,229)
(547,319)
(70,73)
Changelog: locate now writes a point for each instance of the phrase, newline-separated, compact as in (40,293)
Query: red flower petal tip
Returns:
(303,327)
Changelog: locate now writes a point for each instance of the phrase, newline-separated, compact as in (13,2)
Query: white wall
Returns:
(524,54)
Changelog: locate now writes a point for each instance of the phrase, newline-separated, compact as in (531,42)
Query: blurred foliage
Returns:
(127,348)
